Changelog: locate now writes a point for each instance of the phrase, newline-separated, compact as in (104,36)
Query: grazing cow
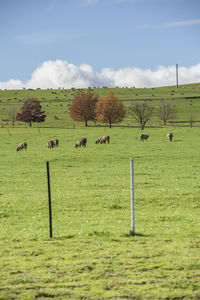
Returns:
(105,139)
(170,136)
(144,137)
(49,144)
(81,143)
(97,141)
(21,146)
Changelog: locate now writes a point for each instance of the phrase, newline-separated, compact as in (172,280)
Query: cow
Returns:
(22,146)
(81,143)
(170,136)
(144,137)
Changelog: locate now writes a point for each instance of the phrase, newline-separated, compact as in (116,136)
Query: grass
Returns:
(56,103)
(92,254)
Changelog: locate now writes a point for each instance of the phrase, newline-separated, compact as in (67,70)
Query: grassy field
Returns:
(92,255)
(55,103)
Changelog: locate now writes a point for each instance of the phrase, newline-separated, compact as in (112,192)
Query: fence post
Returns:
(49,196)
(132,232)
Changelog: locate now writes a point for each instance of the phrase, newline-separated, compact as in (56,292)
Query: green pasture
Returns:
(55,103)
(92,254)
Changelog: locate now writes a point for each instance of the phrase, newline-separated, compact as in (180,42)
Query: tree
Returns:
(31,112)
(12,114)
(141,113)
(82,107)
(110,110)
(165,111)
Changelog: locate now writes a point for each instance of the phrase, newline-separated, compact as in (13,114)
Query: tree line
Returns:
(87,106)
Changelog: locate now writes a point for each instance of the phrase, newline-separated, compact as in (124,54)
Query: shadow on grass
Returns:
(99,233)
(65,237)
(136,234)
(96,233)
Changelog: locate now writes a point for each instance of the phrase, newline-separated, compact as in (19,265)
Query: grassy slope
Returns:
(92,255)
(55,102)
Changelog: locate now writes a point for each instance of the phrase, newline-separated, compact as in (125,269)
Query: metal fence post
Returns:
(49,196)
(132,197)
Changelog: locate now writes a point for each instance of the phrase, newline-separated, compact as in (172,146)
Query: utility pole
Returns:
(177,75)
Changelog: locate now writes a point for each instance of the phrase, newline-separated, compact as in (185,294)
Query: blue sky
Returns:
(98,41)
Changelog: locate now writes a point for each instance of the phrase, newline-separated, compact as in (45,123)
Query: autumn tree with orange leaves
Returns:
(83,106)
(110,109)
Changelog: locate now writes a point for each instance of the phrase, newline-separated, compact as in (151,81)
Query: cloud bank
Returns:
(59,73)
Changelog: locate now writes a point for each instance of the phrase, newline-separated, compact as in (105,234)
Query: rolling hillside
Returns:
(55,103)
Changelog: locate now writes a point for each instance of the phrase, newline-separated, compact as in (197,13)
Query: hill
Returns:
(56,103)
(92,254)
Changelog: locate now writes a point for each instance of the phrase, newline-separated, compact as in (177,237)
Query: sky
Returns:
(82,43)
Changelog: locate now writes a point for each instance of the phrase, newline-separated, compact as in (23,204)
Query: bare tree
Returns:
(141,113)
(165,111)
(12,114)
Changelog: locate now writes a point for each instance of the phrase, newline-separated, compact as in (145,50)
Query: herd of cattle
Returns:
(83,141)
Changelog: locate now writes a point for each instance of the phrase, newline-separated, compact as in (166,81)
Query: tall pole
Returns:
(177,75)
(132,197)
(49,196)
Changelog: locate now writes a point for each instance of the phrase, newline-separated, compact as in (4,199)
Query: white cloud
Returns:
(183,23)
(54,74)
(170,25)
(12,84)
(162,76)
